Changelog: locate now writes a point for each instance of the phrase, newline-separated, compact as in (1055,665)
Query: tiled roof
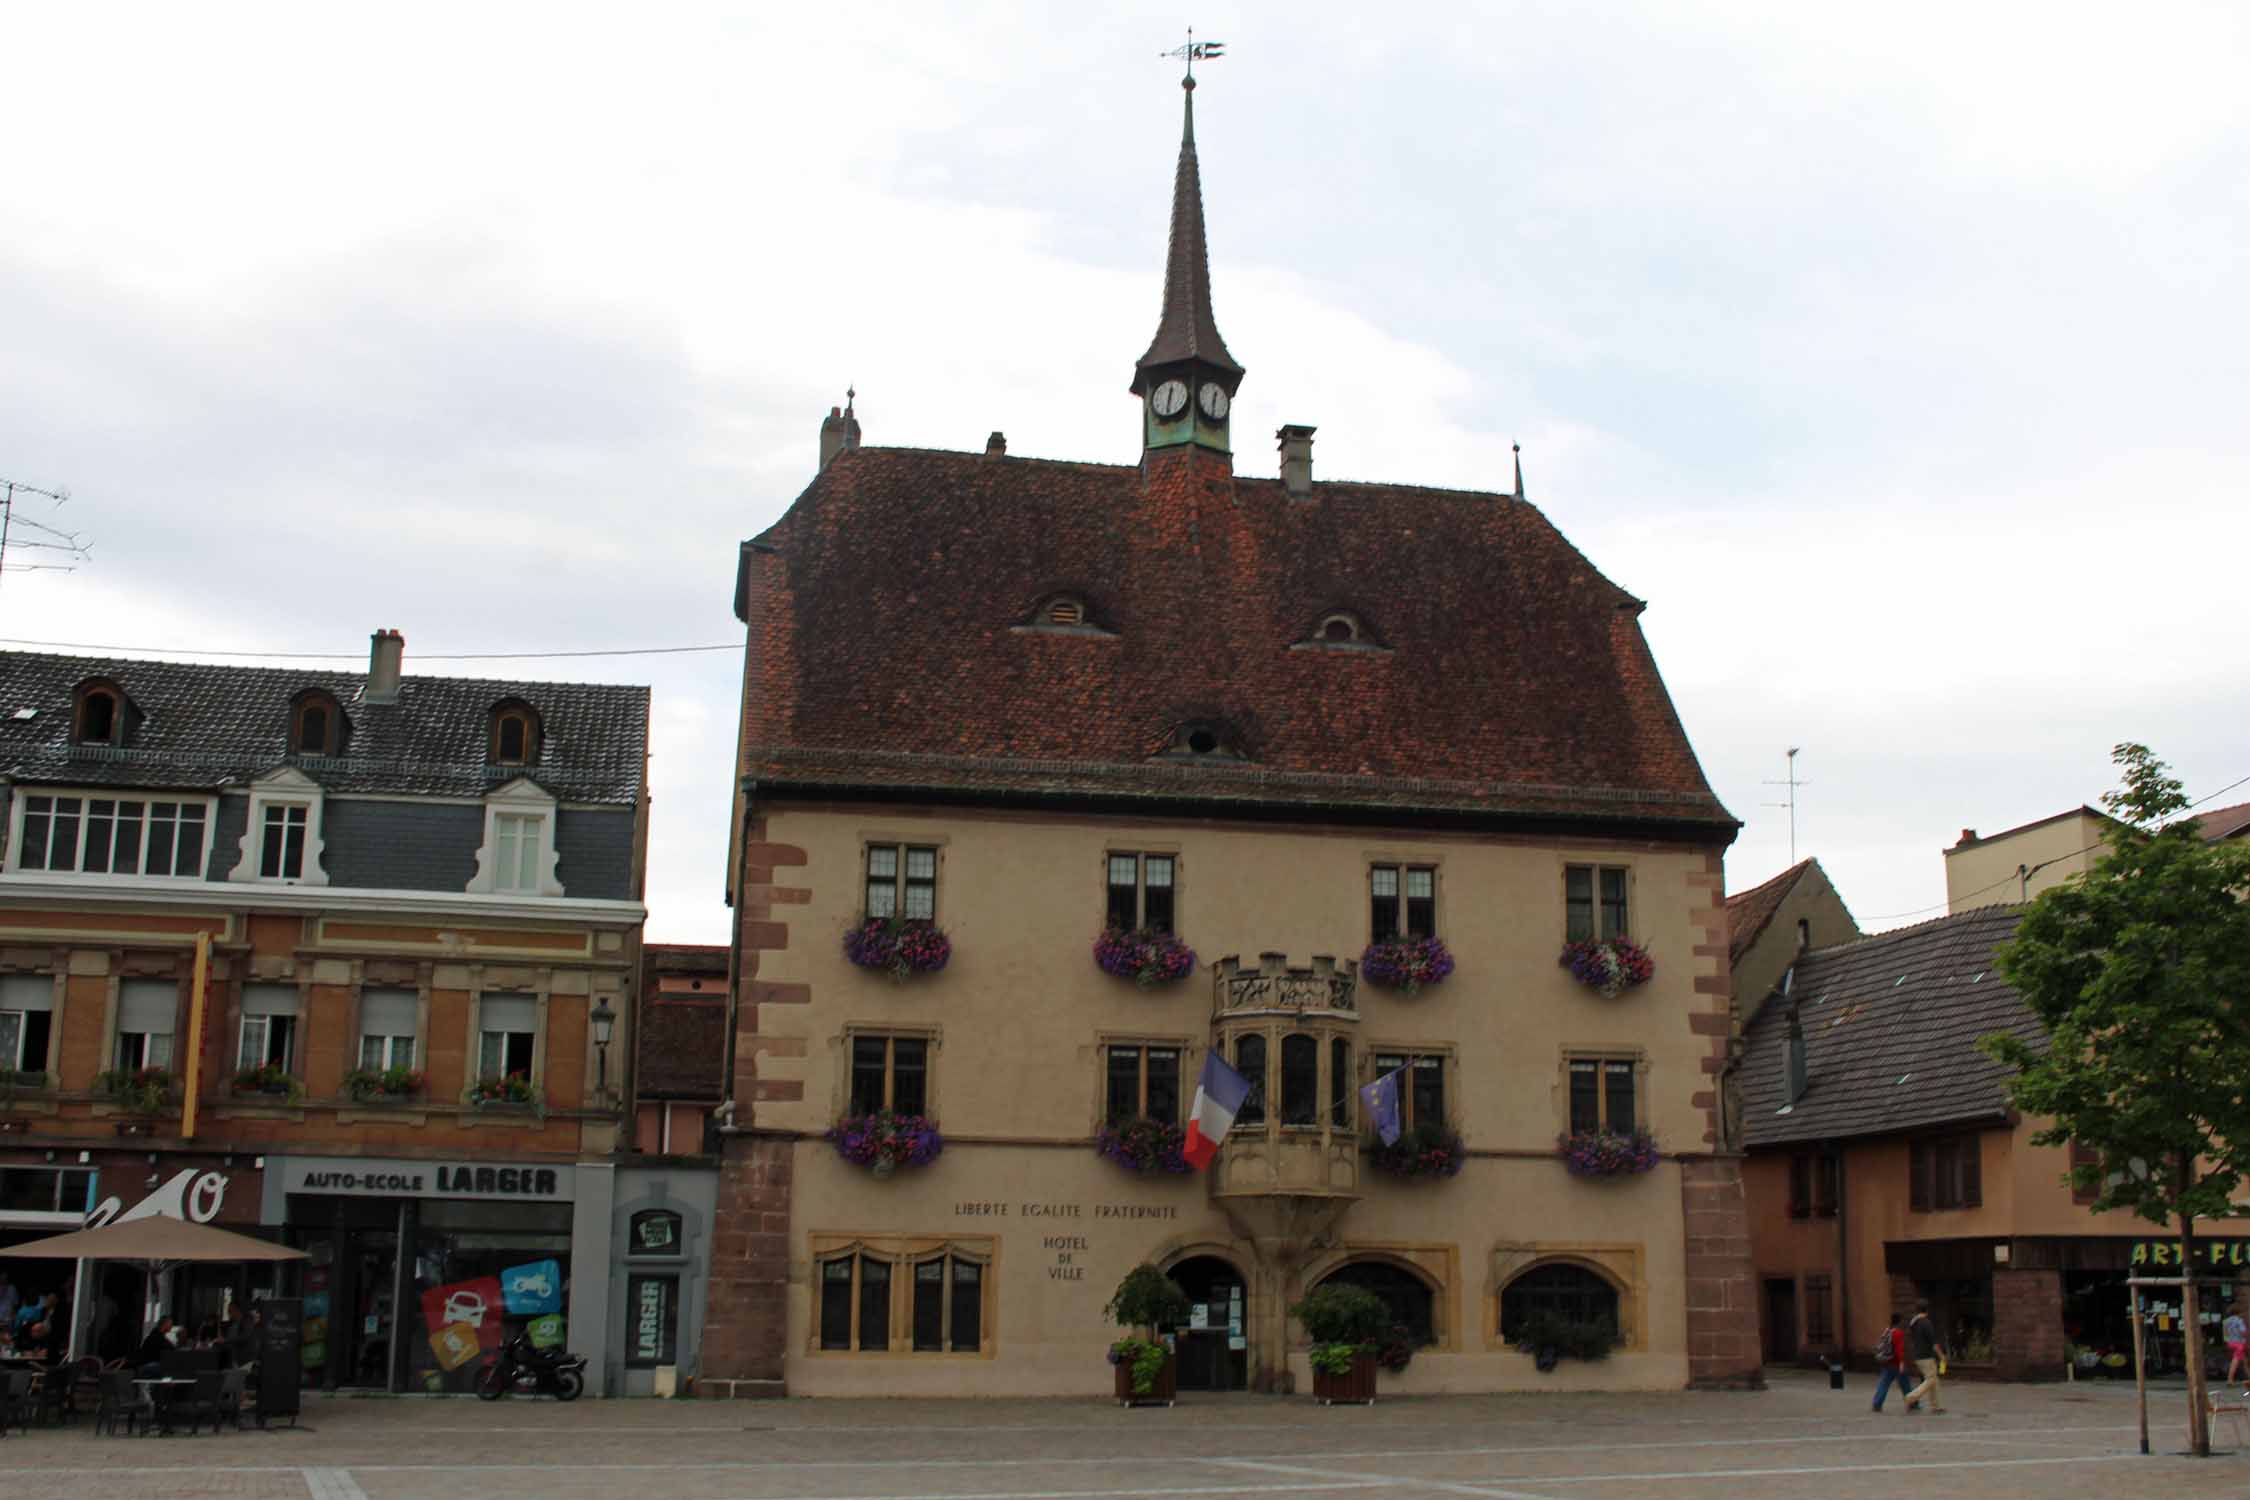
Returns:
(1749,911)
(683,1037)
(891,643)
(2224,822)
(1891,1024)
(203,725)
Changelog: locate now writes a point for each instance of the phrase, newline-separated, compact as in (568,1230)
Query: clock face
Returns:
(1168,398)
(1214,402)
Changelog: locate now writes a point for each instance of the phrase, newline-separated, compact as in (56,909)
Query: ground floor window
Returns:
(1559,1290)
(1412,1304)
(902,1293)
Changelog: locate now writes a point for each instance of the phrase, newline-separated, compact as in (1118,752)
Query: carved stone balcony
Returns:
(1323,987)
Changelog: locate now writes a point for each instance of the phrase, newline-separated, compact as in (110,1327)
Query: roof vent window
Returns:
(1066,612)
(1204,740)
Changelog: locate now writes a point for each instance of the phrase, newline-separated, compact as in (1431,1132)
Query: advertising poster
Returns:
(546,1332)
(532,1289)
(454,1344)
(474,1305)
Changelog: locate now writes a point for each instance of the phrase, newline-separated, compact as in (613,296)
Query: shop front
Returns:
(417,1269)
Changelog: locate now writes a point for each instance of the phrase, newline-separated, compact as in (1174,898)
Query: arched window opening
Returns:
(316,726)
(1300,1080)
(948,1305)
(1204,740)
(855,1302)
(515,735)
(1341,628)
(1250,1062)
(97,717)
(1559,1291)
(1412,1304)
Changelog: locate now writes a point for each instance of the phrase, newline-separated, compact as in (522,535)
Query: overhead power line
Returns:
(358,655)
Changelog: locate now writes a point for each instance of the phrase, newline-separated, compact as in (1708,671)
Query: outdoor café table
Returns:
(161,1390)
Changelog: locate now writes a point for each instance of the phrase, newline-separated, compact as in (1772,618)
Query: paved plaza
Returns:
(1798,1438)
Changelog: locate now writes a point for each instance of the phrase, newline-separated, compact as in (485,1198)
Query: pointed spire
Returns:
(1187,329)
(1519,471)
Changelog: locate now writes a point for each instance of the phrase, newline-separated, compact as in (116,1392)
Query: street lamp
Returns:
(605,1022)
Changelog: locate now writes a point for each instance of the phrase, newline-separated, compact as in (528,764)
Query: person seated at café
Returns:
(38,1343)
(149,1358)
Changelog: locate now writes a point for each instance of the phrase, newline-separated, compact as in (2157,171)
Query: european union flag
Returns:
(1381,1099)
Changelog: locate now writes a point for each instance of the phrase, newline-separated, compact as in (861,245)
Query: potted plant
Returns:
(139,1091)
(1346,1325)
(511,1091)
(1608,1153)
(269,1079)
(1609,966)
(383,1084)
(1432,1150)
(1549,1338)
(1406,964)
(1144,1146)
(898,946)
(885,1141)
(1147,1301)
(1147,957)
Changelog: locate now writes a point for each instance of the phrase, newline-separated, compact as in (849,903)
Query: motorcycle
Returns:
(521,1366)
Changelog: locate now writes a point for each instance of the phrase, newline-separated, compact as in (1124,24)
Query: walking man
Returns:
(1928,1356)
(1890,1361)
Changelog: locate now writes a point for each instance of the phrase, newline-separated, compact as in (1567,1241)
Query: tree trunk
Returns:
(2199,1414)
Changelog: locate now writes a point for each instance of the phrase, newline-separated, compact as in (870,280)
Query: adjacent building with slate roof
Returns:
(335,958)
(1886,1165)
(1278,737)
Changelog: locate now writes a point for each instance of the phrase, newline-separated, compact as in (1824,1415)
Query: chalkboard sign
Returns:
(279,1343)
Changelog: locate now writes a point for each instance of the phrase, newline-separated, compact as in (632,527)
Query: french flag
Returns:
(1218,1099)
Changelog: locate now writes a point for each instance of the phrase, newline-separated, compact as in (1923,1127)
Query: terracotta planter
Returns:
(1355,1386)
(1163,1391)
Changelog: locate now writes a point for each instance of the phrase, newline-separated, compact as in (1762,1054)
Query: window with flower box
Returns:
(902,1294)
(1602,1091)
(269,1026)
(1140,892)
(1402,902)
(901,882)
(508,1036)
(1143,1083)
(1594,902)
(890,1072)
(1421,1093)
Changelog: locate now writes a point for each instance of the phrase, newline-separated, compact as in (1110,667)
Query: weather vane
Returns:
(1195,52)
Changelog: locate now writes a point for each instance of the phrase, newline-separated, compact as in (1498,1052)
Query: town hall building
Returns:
(1056,777)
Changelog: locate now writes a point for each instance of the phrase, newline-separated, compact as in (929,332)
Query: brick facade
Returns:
(1722,1300)
(2027,1324)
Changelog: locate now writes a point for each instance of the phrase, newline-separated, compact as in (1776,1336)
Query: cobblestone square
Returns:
(1798,1438)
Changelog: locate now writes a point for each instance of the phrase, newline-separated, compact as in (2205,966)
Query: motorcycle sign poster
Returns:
(454,1345)
(546,1332)
(532,1289)
(474,1305)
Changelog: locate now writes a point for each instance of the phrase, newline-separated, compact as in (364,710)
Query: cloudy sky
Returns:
(1896,357)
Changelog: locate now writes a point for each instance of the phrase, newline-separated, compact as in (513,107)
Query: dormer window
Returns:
(315,725)
(99,717)
(515,735)
(1204,740)
(1063,613)
(1066,611)
(1341,630)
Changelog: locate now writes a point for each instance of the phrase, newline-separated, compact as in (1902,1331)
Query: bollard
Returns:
(1835,1374)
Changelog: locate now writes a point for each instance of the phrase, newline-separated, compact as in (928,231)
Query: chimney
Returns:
(996,446)
(386,655)
(1296,460)
(1968,836)
(839,431)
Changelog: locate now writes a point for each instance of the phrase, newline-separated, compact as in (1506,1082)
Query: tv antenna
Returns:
(69,547)
(1790,781)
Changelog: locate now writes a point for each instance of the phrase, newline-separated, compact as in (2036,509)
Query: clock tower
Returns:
(1186,380)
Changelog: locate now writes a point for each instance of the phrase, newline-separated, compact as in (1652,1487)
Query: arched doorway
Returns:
(1413,1305)
(1214,1349)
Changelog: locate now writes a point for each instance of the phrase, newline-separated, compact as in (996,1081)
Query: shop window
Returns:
(1412,1303)
(855,1303)
(652,1320)
(147,1013)
(1820,1310)
(948,1305)
(1601,1094)
(890,1072)
(45,1190)
(1250,1062)
(27,1012)
(1300,1080)
(1402,902)
(1594,902)
(1140,892)
(508,1036)
(477,1272)
(269,1026)
(388,1022)
(654,1231)
(1340,1088)
(1421,1091)
(1946,1174)
(110,836)
(1560,1290)
(1812,1185)
(1143,1083)
(901,882)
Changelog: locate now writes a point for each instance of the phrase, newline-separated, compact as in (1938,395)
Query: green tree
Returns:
(2140,974)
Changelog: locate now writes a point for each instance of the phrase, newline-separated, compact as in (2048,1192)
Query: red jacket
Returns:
(1894,1341)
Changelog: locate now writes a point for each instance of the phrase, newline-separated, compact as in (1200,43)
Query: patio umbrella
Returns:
(156,1241)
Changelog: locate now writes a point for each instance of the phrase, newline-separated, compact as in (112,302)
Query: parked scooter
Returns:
(522,1367)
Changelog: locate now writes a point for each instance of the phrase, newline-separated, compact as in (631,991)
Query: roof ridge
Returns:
(355,676)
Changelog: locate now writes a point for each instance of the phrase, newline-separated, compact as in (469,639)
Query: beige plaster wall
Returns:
(1020,1014)
(1982,874)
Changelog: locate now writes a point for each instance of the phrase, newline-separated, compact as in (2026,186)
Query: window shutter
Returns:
(27,992)
(148,1006)
(1918,1178)
(271,999)
(388,1012)
(1972,1171)
(509,1013)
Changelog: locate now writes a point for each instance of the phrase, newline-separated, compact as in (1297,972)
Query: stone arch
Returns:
(1623,1306)
(1432,1267)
